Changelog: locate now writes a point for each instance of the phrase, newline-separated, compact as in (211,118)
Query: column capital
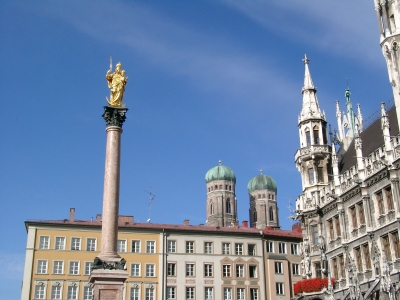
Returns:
(114,116)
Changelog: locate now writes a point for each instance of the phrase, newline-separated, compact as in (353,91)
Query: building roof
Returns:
(372,139)
(220,172)
(261,182)
(173,227)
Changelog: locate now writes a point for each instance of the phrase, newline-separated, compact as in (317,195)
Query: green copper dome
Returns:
(261,182)
(220,173)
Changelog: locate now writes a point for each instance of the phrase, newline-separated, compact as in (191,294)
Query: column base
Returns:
(108,284)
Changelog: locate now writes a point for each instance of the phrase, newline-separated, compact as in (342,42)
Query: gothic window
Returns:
(311,175)
(269,196)
(316,136)
(353,216)
(308,137)
(263,195)
(255,216)
(228,206)
(220,186)
(396,243)
(320,174)
(211,208)
(367,256)
(318,272)
(216,187)
(331,232)
(379,200)
(273,196)
(389,198)
(259,196)
(357,254)
(337,223)
(361,216)
(342,270)
(386,247)
(271,213)
(208,189)
(335,268)
(314,230)
(230,187)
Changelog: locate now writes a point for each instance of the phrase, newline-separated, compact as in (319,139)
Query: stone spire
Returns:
(310,109)
(386,132)
(359,118)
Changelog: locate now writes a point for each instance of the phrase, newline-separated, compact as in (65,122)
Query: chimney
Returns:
(186,222)
(98,217)
(72,214)
(234,224)
(125,219)
(245,223)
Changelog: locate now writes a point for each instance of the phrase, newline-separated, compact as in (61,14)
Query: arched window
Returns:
(255,216)
(220,186)
(273,196)
(263,196)
(269,196)
(271,213)
(216,187)
(259,196)
(308,137)
(211,209)
(316,135)
(208,189)
(228,206)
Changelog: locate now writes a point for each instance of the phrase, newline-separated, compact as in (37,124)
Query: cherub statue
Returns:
(116,84)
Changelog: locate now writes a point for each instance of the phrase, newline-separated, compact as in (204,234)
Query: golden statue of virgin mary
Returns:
(116,84)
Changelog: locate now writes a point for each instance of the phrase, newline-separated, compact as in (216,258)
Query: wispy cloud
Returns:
(344,28)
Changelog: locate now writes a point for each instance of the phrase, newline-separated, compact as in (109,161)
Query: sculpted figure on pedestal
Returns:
(116,84)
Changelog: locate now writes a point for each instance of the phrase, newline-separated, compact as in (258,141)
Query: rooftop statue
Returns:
(116,84)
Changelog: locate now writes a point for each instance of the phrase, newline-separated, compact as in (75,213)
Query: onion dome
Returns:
(220,172)
(261,182)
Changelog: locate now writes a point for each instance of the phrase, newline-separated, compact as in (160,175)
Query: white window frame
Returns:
(189,246)
(208,248)
(226,270)
(254,251)
(56,265)
(171,269)
(253,293)
(226,248)
(294,247)
(150,270)
(149,294)
(270,247)
(171,292)
(57,244)
(208,293)
(278,267)
(88,267)
(135,293)
(282,248)
(44,242)
(240,293)
(56,292)
(150,246)
(296,269)
(40,291)
(42,266)
(238,248)
(239,270)
(171,247)
(255,273)
(136,246)
(208,270)
(121,245)
(190,292)
(89,244)
(190,269)
(87,293)
(74,266)
(72,293)
(280,288)
(227,293)
(76,241)
(137,268)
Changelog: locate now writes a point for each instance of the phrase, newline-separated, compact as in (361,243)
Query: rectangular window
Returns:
(88,267)
(150,247)
(320,174)
(135,246)
(226,248)
(208,270)
(270,247)
(331,232)
(41,267)
(311,176)
(252,271)
(357,256)
(208,293)
(74,267)
(58,267)
(367,257)
(279,288)
(282,248)
(190,293)
(318,271)
(337,224)
(253,294)
(171,269)
(87,293)
(316,137)
(149,294)
(335,268)
(239,249)
(150,270)
(353,216)
(342,269)
(379,200)
(295,249)
(308,138)
(60,243)
(72,293)
(121,246)
(44,242)
(314,230)
(189,269)
(171,292)
(296,269)
(190,247)
(227,293)
(239,270)
(240,293)
(134,294)
(207,247)
(396,244)
(389,198)
(91,244)
(278,267)
(361,215)
(226,271)
(76,244)
(56,292)
(251,249)
(40,291)
(386,247)
(171,246)
(135,270)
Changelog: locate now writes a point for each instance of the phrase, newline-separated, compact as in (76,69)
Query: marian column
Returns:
(108,273)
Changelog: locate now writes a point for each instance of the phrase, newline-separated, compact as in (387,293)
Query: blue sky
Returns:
(208,80)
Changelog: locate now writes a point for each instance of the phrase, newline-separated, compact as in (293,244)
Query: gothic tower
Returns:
(263,208)
(221,205)
(388,13)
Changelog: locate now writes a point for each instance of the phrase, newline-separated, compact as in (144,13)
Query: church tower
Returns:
(263,208)
(314,156)
(221,204)
(388,13)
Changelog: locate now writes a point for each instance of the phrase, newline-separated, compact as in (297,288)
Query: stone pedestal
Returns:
(108,273)
(108,284)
